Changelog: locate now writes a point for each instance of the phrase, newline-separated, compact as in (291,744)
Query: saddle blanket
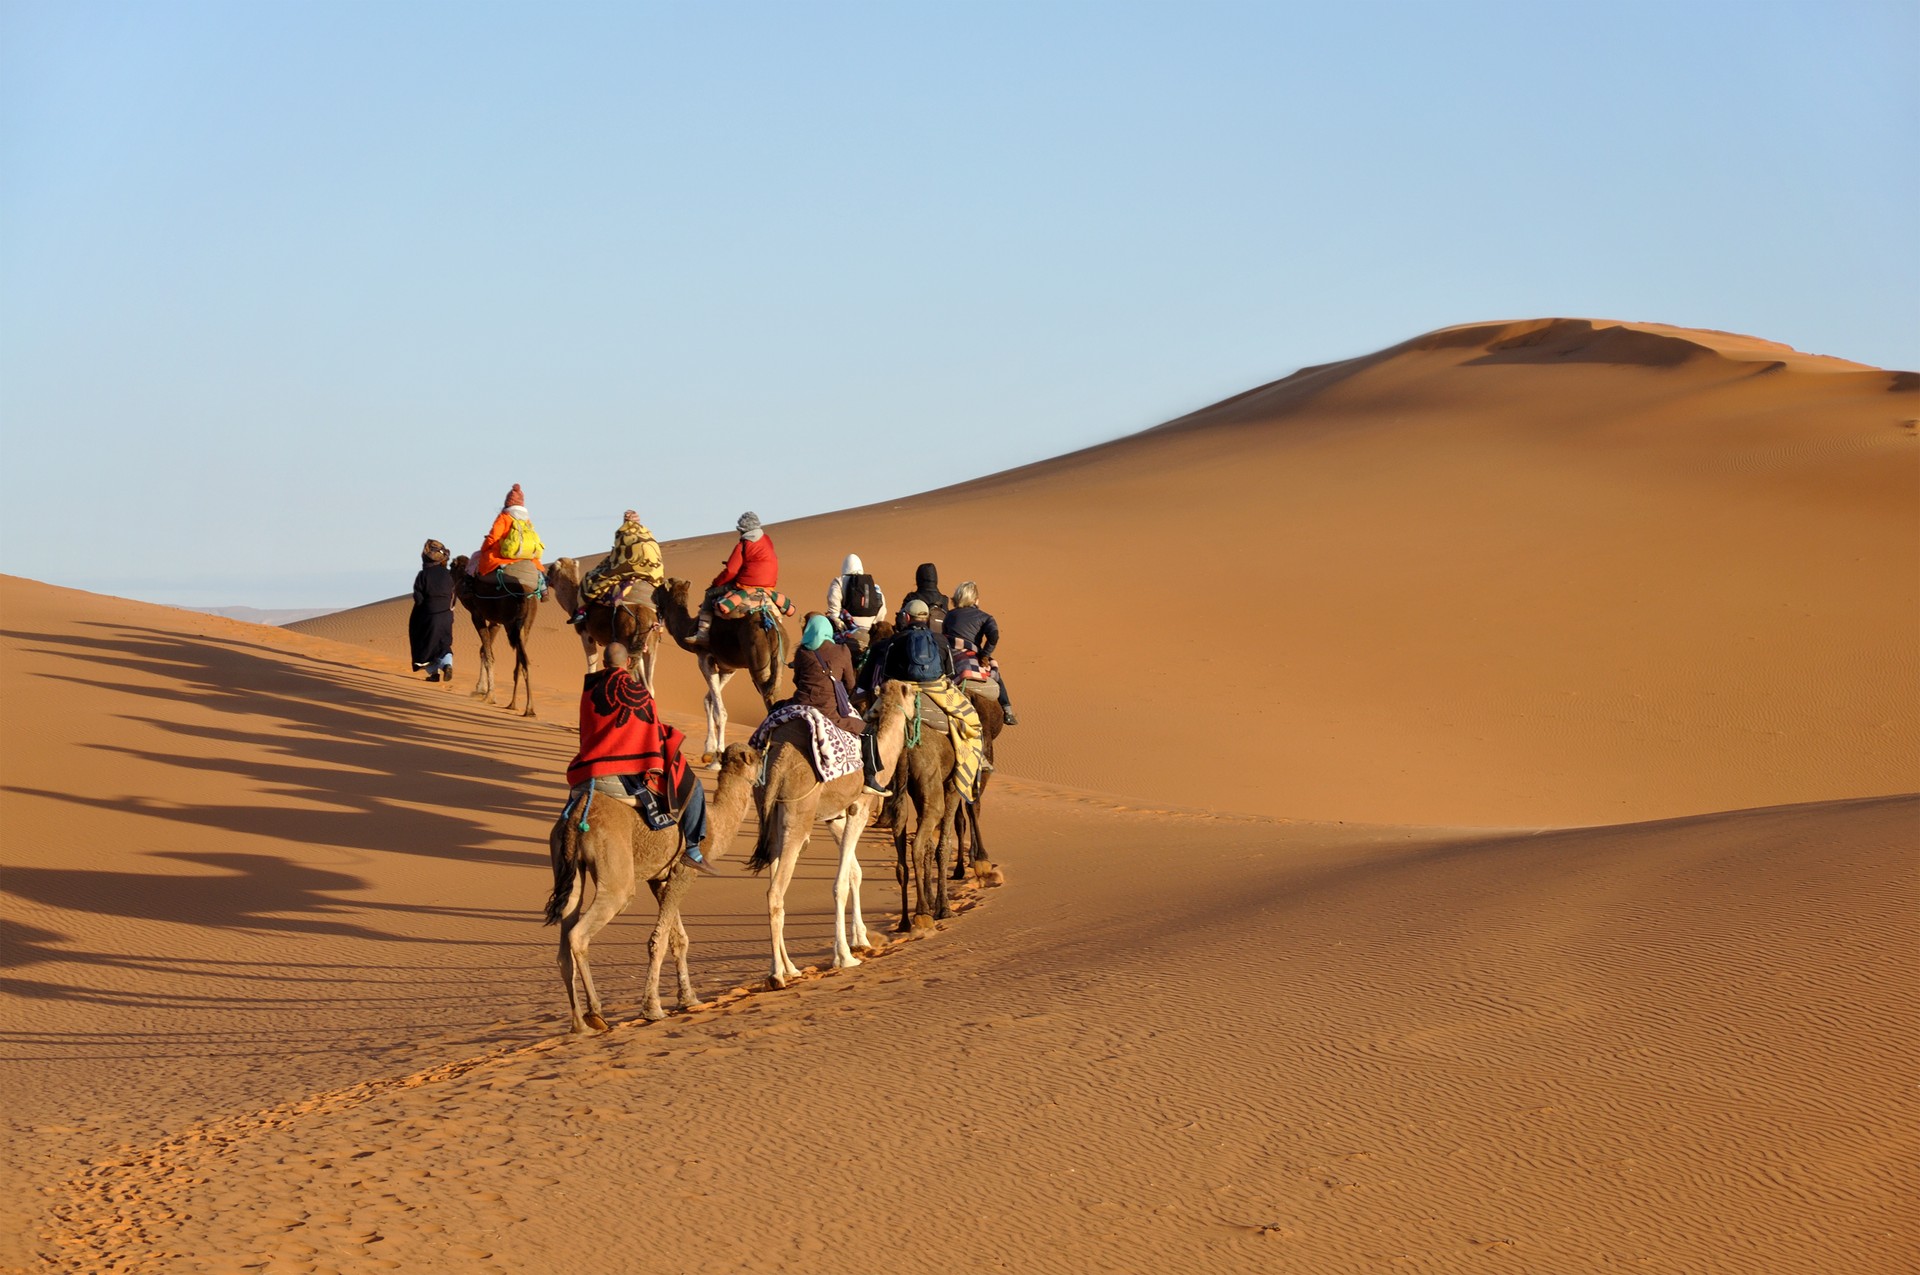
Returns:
(741,600)
(834,752)
(947,704)
(620,591)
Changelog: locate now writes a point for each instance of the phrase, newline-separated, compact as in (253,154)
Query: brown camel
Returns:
(634,623)
(618,851)
(491,614)
(733,646)
(928,797)
(792,797)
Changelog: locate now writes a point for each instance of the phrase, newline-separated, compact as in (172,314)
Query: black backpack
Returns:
(859,598)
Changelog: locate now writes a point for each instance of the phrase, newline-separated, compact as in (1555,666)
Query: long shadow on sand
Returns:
(319,756)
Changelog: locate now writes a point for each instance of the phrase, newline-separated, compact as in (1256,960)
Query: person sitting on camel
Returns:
(628,754)
(510,541)
(823,678)
(854,602)
(976,634)
(751,568)
(917,654)
(635,556)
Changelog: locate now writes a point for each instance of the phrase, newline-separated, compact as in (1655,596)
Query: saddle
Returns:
(514,580)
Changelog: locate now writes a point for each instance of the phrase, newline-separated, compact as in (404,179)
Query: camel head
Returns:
(458,566)
(677,592)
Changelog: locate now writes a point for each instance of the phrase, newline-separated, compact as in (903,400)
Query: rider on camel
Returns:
(975,631)
(753,566)
(926,588)
(511,539)
(628,754)
(635,556)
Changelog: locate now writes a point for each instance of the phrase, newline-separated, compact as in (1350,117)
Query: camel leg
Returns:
(857,824)
(483,689)
(902,869)
(843,881)
(522,669)
(569,918)
(948,837)
(669,935)
(926,842)
(716,709)
(688,997)
(792,842)
(610,899)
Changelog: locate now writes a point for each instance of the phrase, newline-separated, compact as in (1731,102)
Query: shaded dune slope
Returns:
(1513,574)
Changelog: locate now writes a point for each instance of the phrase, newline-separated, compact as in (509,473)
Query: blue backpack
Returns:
(918,657)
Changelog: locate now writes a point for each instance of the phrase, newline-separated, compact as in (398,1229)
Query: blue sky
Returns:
(285,289)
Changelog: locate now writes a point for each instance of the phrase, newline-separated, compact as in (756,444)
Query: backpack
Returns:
(521,541)
(917,658)
(858,597)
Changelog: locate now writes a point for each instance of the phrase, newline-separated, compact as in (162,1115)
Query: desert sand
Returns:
(1463,813)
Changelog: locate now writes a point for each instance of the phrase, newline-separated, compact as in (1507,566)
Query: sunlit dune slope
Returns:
(1553,572)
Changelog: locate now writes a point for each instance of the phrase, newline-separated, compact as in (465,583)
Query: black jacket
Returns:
(433,589)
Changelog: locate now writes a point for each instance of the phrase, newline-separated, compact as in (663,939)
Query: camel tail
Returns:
(766,847)
(564,842)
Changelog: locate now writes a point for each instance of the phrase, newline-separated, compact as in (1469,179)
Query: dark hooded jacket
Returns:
(926,587)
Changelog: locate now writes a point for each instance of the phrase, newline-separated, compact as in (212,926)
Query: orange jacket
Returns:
(490,558)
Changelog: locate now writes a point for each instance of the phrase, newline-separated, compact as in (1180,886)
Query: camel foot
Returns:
(597,1023)
(691,1002)
(995,876)
(846,962)
(477,695)
(653,1013)
(922,922)
(776,981)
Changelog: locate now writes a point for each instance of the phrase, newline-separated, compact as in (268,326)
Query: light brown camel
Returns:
(618,851)
(792,797)
(634,623)
(733,646)
(490,615)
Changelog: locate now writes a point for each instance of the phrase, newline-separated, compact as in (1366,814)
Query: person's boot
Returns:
(700,628)
(870,764)
(579,617)
(699,861)
(1006,715)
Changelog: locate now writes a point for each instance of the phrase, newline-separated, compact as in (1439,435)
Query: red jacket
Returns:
(753,565)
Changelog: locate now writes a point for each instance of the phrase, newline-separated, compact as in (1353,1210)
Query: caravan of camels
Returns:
(892,722)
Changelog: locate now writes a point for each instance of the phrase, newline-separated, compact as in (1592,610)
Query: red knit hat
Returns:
(514,497)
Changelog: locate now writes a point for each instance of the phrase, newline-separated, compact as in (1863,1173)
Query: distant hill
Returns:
(254,615)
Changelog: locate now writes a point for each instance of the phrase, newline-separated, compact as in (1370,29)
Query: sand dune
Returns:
(1259,995)
(1501,575)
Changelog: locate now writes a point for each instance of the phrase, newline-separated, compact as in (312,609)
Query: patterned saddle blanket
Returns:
(833,751)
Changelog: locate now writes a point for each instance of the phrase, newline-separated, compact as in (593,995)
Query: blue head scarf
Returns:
(817,633)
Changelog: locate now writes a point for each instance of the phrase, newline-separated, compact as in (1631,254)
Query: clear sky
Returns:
(287,288)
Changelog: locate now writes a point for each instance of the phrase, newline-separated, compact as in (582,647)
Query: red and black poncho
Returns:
(621,733)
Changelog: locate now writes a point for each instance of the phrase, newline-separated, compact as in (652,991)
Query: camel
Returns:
(791,798)
(635,625)
(925,785)
(940,818)
(732,646)
(491,614)
(618,850)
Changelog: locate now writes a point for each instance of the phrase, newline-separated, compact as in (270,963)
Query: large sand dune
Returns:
(1299,979)
(1502,575)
